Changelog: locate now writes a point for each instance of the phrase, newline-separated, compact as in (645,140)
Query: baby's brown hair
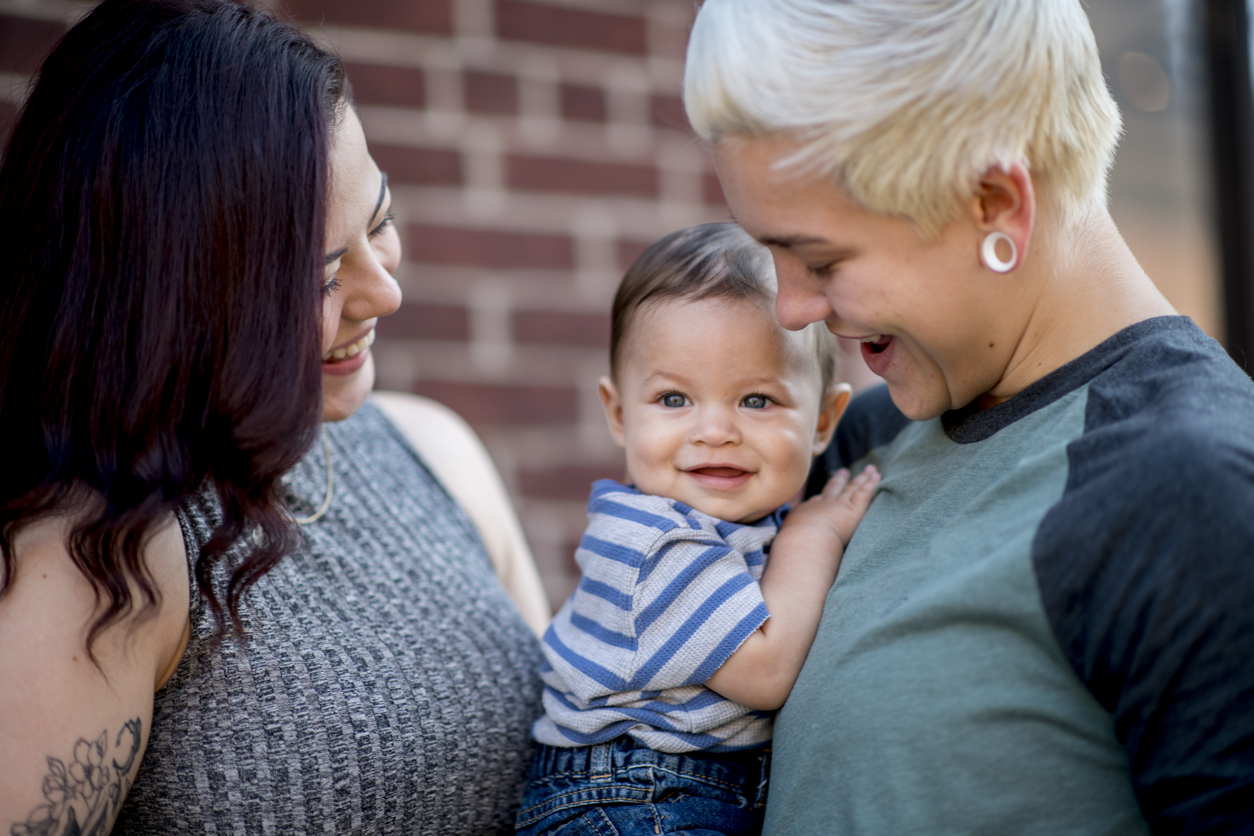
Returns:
(709,261)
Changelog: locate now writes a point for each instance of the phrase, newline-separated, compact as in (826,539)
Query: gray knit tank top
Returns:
(386,683)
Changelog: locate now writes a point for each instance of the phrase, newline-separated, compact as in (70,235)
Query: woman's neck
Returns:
(1087,287)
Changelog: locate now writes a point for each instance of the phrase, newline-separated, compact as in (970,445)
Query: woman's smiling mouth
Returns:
(349,351)
(875,343)
(347,359)
(876,352)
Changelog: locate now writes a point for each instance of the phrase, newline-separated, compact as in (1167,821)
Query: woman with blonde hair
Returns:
(1042,625)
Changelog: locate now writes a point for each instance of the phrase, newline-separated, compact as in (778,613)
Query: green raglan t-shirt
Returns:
(1046,614)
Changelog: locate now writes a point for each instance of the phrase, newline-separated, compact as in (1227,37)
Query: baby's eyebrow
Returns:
(672,379)
(667,376)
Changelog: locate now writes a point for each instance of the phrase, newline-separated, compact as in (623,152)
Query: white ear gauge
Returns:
(988,253)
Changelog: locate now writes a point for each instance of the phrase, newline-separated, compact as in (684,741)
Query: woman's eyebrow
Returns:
(383,190)
(787,242)
(790,242)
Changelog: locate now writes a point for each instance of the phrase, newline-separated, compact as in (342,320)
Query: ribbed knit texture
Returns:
(386,683)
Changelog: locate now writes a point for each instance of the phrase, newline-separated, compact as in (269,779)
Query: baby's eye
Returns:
(756,402)
(674,400)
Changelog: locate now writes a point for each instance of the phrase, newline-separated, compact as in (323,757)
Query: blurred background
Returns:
(535,147)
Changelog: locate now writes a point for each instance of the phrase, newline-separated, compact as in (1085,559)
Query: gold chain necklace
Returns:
(259,539)
(326,503)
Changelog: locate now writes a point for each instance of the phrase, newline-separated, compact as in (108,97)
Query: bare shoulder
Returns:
(451,449)
(444,440)
(422,418)
(73,730)
(459,460)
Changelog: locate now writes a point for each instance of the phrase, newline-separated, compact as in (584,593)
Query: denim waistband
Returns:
(632,789)
(624,770)
(600,761)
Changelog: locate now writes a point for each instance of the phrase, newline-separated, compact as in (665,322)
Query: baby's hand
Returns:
(839,508)
(805,557)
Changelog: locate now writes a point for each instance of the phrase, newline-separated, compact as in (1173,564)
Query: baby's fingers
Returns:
(851,499)
(855,493)
(841,486)
(863,485)
(836,483)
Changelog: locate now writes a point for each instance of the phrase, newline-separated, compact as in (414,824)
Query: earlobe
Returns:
(830,411)
(1004,206)
(992,259)
(613,407)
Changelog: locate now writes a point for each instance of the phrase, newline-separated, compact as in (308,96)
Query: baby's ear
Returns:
(830,410)
(613,406)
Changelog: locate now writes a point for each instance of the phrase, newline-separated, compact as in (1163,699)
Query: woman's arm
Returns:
(72,732)
(802,568)
(459,460)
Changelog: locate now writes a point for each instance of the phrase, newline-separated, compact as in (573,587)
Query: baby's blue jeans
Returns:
(624,788)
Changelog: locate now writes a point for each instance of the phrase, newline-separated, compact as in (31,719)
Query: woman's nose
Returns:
(800,299)
(371,289)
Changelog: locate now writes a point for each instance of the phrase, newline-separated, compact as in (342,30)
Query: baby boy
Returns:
(663,668)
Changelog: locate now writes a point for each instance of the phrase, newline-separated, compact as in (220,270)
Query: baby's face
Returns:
(717,406)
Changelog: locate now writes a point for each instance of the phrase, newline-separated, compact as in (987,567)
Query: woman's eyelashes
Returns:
(383,225)
(334,283)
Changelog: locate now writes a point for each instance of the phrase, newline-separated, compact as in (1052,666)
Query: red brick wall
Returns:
(534,147)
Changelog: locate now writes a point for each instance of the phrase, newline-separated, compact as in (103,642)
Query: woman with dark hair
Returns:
(232,595)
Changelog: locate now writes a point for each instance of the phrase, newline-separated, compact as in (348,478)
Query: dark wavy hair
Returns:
(163,201)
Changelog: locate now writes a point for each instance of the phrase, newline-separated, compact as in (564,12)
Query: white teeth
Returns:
(350,350)
(874,338)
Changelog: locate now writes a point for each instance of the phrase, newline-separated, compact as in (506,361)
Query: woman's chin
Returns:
(918,403)
(343,394)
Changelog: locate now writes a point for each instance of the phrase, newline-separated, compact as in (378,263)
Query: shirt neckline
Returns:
(970,424)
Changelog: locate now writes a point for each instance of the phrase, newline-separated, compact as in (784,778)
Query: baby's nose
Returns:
(715,426)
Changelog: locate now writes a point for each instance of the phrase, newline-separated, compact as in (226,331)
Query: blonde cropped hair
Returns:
(908,102)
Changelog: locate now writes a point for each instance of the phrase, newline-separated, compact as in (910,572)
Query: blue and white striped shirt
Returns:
(668,594)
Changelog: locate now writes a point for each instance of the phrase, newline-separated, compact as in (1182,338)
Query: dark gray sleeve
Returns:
(1146,571)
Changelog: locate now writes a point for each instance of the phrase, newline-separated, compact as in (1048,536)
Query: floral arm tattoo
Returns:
(82,799)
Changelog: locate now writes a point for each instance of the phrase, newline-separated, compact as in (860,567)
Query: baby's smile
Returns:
(719,406)
(720,477)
